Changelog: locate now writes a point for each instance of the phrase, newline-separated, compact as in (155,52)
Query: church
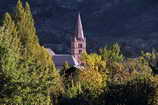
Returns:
(78,46)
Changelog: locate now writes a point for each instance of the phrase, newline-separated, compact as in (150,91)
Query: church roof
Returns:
(79,28)
(51,52)
(60,59)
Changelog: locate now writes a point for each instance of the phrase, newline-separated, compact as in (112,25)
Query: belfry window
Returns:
(80,45)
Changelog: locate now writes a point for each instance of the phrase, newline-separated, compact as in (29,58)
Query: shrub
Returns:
(138,91)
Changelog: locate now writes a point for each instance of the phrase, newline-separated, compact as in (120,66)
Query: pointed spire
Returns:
(79,28)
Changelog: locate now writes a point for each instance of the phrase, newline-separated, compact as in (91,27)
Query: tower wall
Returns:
(78,47)
(78,41)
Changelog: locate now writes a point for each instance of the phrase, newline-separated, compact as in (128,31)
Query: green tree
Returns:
(151,59)
(141,90)
(26,68)
(10,30)
(112,53)
(10,75)
(26,29)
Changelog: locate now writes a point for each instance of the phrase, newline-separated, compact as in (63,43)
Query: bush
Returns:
(139,91)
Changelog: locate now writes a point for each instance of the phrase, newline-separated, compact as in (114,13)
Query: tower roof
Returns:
(79,28)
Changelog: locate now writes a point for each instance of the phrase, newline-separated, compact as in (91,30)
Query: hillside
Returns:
(133,23)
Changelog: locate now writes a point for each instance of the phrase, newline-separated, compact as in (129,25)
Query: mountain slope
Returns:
(133,23)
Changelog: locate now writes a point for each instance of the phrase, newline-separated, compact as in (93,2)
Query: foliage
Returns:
(138,91)
(28,76)
(127,70)
(93,62)
(9,58)
(74,90)
(26,69)
(112,53)
(66,66)
(93,76)
(26,29)
(91,80)
(151,59)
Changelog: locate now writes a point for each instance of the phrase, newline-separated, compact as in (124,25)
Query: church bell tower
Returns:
(78,41)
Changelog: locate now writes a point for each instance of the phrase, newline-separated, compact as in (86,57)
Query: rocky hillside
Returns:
(133,23)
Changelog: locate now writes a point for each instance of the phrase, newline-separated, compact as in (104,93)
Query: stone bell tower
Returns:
(78,41)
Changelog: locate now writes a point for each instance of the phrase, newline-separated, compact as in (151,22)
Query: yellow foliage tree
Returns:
(93,62)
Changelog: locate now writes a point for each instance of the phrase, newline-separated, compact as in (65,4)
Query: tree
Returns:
(26,69)
(112,53)
(27,32)
(93,62)
(10,75)
(11,33)
(141,90)
(151,59)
